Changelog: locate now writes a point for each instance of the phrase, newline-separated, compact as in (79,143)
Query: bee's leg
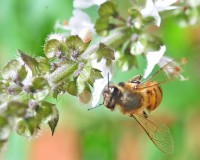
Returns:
(136,79)
(144,114)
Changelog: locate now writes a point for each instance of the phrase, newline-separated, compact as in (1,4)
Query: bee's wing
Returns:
(158,133)
(168,72)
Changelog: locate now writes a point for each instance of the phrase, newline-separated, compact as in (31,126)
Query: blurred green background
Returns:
(100,134)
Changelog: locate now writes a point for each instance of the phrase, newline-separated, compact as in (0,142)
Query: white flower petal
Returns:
(152,59)
(99,84)
(174,69)
(57,36)
(163,5)
(152,8)
(193,3)
(79,21)
(87,3)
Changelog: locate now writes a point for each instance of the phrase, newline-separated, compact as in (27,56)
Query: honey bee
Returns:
(137,99)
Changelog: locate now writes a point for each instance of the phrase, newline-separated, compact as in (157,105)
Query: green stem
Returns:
(62,73)
(114,40)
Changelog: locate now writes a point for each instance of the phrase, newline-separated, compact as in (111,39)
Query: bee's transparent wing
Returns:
(158,133)
(169,72)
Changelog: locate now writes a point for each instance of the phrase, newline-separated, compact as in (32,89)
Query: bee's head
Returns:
(110,95)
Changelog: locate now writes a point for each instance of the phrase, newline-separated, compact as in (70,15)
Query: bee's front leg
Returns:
(136,79)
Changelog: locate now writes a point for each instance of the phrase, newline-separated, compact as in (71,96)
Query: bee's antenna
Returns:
(95,107)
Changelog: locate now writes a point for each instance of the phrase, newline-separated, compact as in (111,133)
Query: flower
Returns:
(99,84)
(193,3)
(153,8)
(77,22)
(153,58)
(87,3)
(174,69)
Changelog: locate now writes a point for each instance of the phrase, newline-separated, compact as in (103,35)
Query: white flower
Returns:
(153,58)
(174,69)
(99,84)
(153,8)
(193,3)
(87,3)
(57,36)
(77,22)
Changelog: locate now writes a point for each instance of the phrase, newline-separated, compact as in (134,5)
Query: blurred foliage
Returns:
(26,24)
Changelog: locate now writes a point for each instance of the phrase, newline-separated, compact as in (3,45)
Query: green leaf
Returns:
(21,74)
(83,78)
(102,26)
(15,108)
(107,9)
(104,51)
(5,129)
(30,62)
(2,144)
(53,48)
(71,88)
(44,65)
(14,89)
(44,111)
(27,126)
(95,74)
(40,87)
(127,61)
(39,83)
(134,13)
(75,45)
(54,120)
(11,69)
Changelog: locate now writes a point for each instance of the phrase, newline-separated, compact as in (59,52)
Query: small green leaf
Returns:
(44,65)
(15,108)
(127,61)
(134,13)
(5,129)
(53,120)
(95,74)
(14,89)
(40,83)
(2,144)
(40,87)
(71,88)
(21,74)
(102,26)
(44,111)
(10,70)
(75,45)
(30,62)
(84,77)
(27,126)
(107,9)
(53,48)
(104,51)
